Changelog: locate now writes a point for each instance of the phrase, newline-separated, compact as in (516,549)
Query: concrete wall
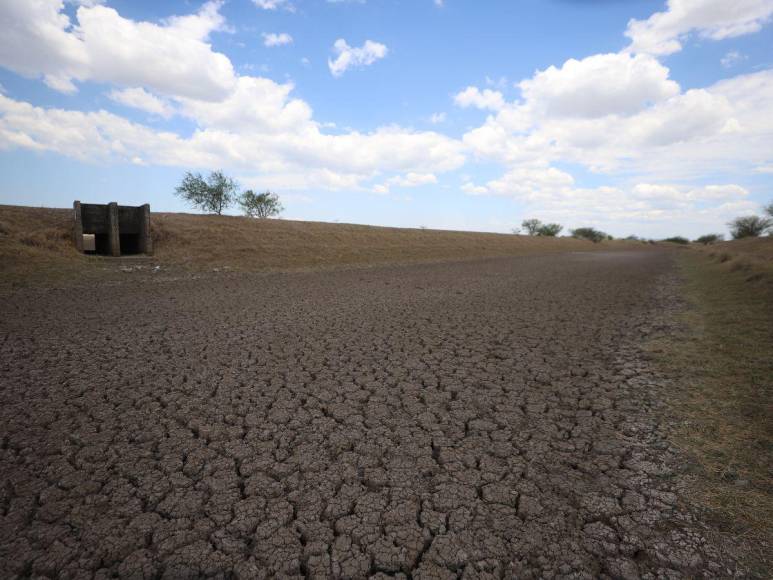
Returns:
(109,223)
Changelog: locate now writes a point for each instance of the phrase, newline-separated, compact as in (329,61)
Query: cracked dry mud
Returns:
(472,420)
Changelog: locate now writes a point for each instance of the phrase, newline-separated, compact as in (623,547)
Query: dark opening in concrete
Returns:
(102,244)
(130,244)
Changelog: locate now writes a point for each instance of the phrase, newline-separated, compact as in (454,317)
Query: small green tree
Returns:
(550,230)
(591,234)
(212,195)
(260,205)
(750,226)
(531,226)
(710,239)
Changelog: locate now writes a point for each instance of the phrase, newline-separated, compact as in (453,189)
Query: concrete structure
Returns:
(117,229)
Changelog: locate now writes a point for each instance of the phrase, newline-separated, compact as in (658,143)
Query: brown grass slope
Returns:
(723,405)
(35,241)
(750,253)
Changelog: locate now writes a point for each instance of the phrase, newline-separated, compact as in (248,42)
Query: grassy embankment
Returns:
(36,245)
(724,406)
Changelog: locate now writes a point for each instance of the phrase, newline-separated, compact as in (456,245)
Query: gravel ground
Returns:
(481,419)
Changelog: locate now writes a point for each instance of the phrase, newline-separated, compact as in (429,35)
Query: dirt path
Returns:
(477,420)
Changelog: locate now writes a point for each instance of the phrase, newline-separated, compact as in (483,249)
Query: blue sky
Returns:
(638,117)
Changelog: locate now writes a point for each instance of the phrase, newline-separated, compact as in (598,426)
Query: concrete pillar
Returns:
(146,239)
(77,230)
(114,239)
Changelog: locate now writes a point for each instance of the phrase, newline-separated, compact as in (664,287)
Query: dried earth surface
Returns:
(482,419)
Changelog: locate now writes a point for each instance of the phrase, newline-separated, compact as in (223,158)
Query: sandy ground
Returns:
(482,419)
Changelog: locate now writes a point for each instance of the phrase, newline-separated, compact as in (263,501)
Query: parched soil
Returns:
(481,419)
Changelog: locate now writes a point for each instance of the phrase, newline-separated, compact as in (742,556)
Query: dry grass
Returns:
(724,408)
(35,244)
(248,244)
(755,251)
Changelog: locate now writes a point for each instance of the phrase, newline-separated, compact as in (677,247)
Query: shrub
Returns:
(550,230)
(591,234)
(750,226)
(769,209)
(260,205)
(213,194)
(677,240)
(710,239)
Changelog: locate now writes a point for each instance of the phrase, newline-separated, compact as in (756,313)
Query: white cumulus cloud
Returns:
(631,117)
(277,140)
(171,58)
(485,99)
(665,32)
(139,98)
(411,179)
(274,4)
(355,57)
(599,85)
(276,39)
